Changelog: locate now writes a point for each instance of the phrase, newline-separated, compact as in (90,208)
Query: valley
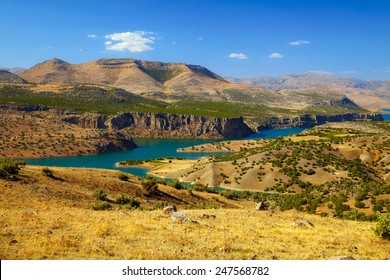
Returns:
(339,168)
(60,215)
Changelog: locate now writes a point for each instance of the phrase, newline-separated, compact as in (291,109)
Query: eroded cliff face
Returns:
(174,125)
(309,120)
(140,124)
(86,121)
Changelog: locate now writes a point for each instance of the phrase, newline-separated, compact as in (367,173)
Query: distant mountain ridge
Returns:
(369,94)
(14,70)
(8,77)
(137,76)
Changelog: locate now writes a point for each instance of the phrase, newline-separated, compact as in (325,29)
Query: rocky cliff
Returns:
(176,125)
(309,120)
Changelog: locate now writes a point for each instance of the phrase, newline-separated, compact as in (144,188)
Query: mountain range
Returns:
(368,94)
(164,80)
(165,88)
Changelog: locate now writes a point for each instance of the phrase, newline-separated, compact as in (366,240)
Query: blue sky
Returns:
(240,38)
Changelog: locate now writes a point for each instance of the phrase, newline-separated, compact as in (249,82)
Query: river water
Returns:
(148,149)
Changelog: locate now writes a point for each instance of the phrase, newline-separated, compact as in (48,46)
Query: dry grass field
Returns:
(44,217)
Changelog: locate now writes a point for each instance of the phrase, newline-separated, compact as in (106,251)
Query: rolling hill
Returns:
(368,94)
(136,76)
(8,77)
(180,84)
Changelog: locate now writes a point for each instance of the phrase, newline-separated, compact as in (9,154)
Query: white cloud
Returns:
(137,41)
(200,38)
(275,55)
(387,69)
(299,43)
(238,55)
(92,36)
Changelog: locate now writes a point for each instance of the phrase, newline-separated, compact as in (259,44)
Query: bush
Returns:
(200,187)
(8,168)
(101,206)
(47,172)
(128,201)
(160,205)
(383,227)
(176,184)
(123,177)
(229,194)
(99,194)
(359,204)
(149,184)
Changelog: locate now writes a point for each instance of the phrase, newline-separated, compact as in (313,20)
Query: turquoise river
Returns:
(147,149)
(154,148)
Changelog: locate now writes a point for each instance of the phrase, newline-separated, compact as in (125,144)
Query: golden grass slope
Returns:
(46,218)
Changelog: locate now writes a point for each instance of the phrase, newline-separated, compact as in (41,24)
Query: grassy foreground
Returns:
(49,217)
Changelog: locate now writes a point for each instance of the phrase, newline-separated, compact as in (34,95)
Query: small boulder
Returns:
(180,217)
(261,206)
(303,223)
(170,209)
(207,216)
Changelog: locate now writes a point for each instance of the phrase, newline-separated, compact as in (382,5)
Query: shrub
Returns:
(128,200)
(200,187)
(9,167)
(123,177)
(229,194)
(359,204)
(101,206)
(176,184)
(160,205)
(47,172)
(99,194)
(149,184)
(383,227)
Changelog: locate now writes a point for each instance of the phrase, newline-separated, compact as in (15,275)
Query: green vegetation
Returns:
(101,206)
(88,98)
(129,201)
(383,227)
(160,74)
(111,101)
(10,168)
(123,176)
(99,194)
(149,184)
(48,172)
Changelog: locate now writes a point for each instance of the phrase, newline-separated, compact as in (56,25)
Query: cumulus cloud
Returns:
(299,43)
(92,36)
(238,55)
(137,41)
(275,55)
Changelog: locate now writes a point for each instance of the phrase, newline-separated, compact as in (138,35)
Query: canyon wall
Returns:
(177,125)
(309,120)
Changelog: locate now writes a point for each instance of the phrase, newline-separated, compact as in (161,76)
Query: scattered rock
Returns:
(206,216)
(343,258)
(170,209)
(180,217)
(261,206)
(13,241)
(303,223)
